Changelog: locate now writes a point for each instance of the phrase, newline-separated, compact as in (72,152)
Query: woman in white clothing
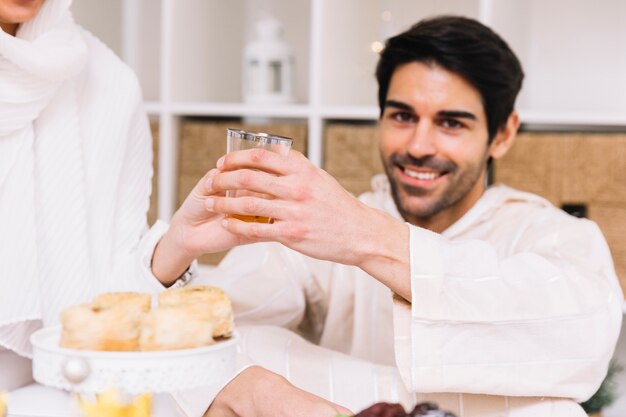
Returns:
(75,169)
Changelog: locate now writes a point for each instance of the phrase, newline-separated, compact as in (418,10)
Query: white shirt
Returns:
(516,306)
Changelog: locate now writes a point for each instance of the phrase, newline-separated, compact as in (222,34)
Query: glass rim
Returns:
(259,136)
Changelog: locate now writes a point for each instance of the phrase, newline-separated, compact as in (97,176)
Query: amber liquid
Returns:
(252,219)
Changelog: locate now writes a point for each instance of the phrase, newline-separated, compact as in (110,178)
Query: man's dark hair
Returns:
(462,46)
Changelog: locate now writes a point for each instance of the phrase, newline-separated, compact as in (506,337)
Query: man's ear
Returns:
(505,137)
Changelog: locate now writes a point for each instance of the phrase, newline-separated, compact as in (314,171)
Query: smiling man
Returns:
(479,298)
(434,144)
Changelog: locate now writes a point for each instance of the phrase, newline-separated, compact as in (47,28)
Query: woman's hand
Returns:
(194,231)
(199,229)
(257,392)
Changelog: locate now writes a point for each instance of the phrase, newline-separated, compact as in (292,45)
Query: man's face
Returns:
(433,142)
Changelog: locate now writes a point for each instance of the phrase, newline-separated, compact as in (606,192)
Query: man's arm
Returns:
(313,215)
(478,322)
(540,321)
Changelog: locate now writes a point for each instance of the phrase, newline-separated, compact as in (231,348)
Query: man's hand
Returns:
(257,392)
(312,214)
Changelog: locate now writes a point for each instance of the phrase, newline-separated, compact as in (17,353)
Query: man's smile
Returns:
(424,175)
(420,177)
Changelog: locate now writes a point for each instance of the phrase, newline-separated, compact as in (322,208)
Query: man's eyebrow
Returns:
(456,114)
(460,114)
(398,105)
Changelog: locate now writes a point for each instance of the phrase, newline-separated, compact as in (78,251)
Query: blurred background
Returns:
(192,58)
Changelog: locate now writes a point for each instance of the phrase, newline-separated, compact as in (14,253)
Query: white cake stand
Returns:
(86,371)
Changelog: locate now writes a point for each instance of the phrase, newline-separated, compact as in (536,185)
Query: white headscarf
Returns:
(42,222)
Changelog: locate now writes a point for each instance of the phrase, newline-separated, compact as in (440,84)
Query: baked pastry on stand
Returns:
(180,327)
(200,301)
(116,328)
(128,299)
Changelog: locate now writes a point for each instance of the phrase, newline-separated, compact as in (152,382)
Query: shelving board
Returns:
(573,118)
(304,111)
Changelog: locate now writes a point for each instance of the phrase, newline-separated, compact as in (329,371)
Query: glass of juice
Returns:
(238,140)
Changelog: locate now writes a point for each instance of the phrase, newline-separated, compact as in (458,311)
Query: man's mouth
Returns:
(421,174)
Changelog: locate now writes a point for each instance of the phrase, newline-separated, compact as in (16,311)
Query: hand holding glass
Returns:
(238,140)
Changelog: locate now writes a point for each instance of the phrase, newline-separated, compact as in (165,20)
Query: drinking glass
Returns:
(238,140)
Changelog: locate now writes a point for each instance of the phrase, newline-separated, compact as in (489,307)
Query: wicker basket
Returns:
(351,155)
(154,196)
(575,168)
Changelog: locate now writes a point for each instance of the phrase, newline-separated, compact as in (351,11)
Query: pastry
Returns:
(179,327)
(126,299)
(187,317)
(116,328)
(202,302)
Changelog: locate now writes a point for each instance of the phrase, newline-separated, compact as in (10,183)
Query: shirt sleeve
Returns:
(267,284)
(341,378)
(195,402)
(542,321)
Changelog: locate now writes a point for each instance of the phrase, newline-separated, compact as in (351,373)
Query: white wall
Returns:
(102,18)
(573,51)
(589,47)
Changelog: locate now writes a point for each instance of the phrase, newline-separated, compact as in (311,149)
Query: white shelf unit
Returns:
(187,55)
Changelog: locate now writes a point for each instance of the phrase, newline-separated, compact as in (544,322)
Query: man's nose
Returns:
(423,141)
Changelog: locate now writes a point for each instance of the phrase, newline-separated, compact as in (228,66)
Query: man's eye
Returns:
(451,124)
(402,117)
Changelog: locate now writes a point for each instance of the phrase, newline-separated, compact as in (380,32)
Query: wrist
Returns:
(385,253)
(381,239)
(170,259)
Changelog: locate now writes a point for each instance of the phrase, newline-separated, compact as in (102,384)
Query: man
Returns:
(495,291)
